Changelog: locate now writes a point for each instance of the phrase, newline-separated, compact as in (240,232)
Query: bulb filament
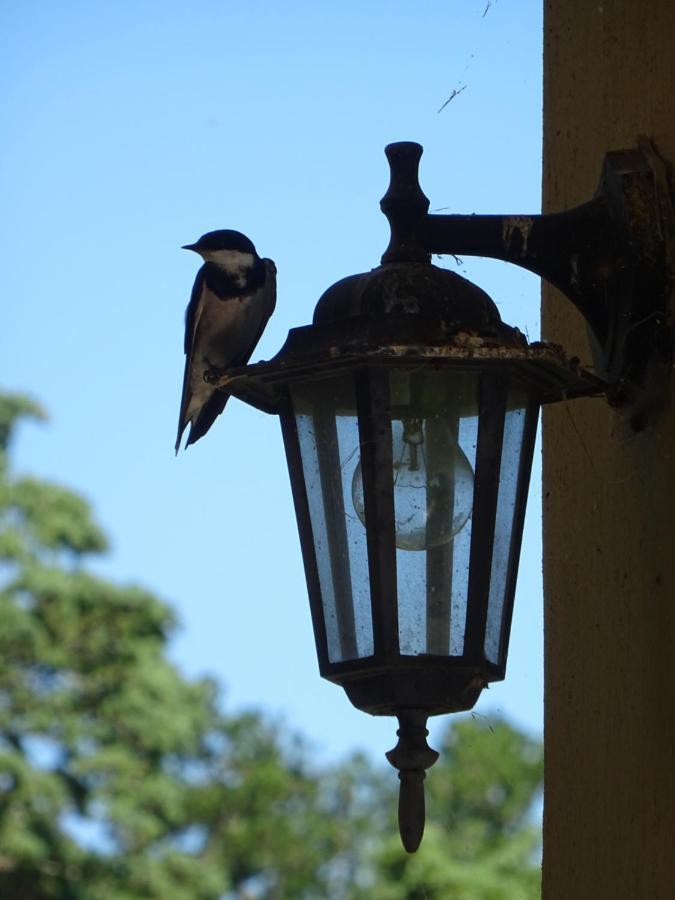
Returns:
(413,437)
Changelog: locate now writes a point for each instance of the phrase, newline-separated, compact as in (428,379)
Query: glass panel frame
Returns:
(515,432)
(522,490)
(324,454)
(382,652)
(492,409)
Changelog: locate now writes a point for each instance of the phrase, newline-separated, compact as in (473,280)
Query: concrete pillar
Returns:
(609,503)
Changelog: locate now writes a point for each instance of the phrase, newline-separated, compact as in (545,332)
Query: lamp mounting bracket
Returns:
(612,257)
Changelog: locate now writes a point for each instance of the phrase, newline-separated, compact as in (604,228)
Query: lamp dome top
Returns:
(445,301)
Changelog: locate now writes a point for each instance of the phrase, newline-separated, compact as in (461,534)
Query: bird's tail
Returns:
(201,423)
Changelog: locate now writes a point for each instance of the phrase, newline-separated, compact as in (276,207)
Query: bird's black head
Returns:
(223,239)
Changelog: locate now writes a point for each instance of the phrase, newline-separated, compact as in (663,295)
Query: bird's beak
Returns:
(190,247)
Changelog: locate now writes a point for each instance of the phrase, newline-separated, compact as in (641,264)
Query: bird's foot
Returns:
(214,374)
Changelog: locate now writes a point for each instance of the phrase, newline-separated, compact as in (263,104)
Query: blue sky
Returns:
(130,129)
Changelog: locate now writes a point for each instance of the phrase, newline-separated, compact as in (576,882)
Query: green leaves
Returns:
(480,842)
(490,773)
(53,518)
(13,408)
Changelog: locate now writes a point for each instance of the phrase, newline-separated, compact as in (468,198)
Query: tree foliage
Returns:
(480,842)
(120,779)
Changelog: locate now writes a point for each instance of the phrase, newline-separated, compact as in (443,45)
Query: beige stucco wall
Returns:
(609,504)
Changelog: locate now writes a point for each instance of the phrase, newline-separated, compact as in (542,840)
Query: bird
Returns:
(232,299)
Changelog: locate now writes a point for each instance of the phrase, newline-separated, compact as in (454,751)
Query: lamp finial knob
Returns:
(412,756)
(405,205)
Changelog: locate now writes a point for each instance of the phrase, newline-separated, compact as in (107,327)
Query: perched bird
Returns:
(233,297)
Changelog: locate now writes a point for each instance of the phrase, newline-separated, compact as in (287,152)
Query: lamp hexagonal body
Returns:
(409,413)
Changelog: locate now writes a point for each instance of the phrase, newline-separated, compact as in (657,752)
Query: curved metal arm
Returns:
(612,257)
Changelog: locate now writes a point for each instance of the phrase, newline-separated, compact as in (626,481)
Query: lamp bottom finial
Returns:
(412,756)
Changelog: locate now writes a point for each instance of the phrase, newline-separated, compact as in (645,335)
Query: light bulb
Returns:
(433,484)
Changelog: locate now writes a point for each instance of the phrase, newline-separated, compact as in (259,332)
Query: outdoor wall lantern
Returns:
(409,412)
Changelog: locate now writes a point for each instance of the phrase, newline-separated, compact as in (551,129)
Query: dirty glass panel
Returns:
(328,434)
(468,439)
(348,441)
(433,442)
(512,449)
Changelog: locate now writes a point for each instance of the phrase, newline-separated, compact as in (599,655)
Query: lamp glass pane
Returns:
(519,422)
(328,434)
(433,429)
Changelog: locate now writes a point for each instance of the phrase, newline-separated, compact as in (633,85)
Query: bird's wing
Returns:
(270,289)
(192,311)
(191,321)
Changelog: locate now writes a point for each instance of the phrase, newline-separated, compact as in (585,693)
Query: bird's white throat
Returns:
(233,261)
